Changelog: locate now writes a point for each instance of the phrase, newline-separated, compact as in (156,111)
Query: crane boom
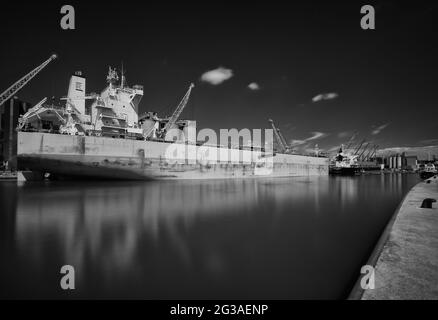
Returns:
(370,152)
(17,86)
(278,136)
(283,139)
(360,146)
(374,152)
(351,141)
(178,110)
(364,149)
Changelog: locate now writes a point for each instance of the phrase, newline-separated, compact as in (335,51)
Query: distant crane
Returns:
(17,86)
(351,141)
(360,146)
(363,151)
(281,141)
(373,152)
(366,156)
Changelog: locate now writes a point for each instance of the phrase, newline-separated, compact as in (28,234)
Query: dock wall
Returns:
(405,259)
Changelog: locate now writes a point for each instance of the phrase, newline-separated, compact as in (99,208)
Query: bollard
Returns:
(427,203)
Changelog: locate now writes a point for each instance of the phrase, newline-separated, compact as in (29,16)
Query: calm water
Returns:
(266,238)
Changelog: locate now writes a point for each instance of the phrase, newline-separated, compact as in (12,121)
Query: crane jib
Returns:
(17,86)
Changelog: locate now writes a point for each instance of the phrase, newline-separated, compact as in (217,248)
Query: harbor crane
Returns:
(17,86)
(359,147)
(373,152)
(281,141)
(366,156)
(351,141)
(179,109)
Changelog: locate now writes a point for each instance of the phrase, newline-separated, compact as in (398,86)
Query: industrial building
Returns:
(402,162)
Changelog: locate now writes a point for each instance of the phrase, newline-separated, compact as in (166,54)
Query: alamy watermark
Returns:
(233,147)
(68,20)
(368,280)
(68,280)
(367,22)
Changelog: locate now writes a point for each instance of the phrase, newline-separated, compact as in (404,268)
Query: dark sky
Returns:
(294,51)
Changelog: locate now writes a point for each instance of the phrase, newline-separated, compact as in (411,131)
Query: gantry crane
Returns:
(351,141)
(371,155)
(365,157)
(17,86)
(363,151)
(359,147)
(281,141)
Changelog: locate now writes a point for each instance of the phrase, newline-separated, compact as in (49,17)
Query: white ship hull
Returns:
(88,156)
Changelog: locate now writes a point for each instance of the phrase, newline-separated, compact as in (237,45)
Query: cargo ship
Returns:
(103,136)
(344,163)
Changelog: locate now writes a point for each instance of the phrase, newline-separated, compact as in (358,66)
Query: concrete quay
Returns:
(406,257)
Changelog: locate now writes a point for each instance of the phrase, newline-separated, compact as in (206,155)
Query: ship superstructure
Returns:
(344,163)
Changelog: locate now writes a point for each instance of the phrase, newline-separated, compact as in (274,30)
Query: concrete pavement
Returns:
(407,267)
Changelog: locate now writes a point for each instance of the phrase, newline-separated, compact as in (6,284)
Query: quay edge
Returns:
(406,256)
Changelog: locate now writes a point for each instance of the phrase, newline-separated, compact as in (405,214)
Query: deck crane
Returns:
(279,137)
(283,140)
(36,110)
(174,117)
(17,86)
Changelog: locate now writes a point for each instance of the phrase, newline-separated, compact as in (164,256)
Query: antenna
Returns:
(123,81)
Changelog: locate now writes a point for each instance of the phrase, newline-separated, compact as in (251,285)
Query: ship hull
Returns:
(427,174)
(109,158)
(344,171)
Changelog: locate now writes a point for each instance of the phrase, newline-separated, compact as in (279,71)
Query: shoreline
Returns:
(405,257)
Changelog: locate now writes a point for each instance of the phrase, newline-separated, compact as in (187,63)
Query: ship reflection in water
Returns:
(257,238)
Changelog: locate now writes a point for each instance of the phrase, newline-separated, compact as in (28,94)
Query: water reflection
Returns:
(261,238)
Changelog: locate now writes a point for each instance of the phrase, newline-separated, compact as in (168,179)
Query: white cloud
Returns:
(379,129)
(344,134)
(429,141)
(254,86)
(325,96)
(295,142)
(217,76)
(315,136)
